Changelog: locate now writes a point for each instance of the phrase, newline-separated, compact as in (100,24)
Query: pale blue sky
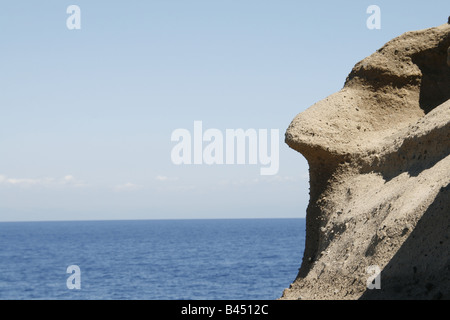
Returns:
(87,115)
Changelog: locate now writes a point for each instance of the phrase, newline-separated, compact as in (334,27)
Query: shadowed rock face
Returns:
(448,56)
(378,152)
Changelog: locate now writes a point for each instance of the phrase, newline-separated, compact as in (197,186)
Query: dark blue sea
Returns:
(254,259)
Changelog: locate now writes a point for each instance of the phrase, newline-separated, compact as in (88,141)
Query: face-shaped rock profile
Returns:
(378,154)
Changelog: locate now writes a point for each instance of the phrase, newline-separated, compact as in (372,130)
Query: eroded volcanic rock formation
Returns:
(379,158)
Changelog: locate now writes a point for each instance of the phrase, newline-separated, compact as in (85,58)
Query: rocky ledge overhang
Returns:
(378,153)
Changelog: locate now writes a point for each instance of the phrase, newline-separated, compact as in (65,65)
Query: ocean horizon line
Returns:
(154,219)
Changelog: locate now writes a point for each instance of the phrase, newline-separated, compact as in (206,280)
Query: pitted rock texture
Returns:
(379,158)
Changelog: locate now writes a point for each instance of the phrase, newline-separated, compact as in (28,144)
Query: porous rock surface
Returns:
(379,158)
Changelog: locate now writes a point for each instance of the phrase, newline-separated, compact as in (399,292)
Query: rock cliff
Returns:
(379,159)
